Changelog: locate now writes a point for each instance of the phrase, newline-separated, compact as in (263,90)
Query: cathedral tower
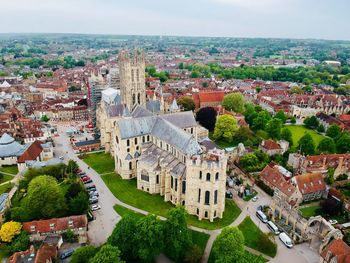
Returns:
(132,79)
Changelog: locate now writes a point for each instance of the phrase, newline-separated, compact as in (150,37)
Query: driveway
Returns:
(106,218)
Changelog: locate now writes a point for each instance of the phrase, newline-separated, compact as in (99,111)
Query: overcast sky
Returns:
(326,19)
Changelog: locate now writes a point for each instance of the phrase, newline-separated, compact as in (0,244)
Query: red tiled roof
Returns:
(274,178)
(310,183)
(46,253)
(270,145)
(339,249)
(31,153)
(59,224)
(212,96)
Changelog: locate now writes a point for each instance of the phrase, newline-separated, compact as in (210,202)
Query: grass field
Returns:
(6,178)
(5,188)
(310,211)
(198,238)
(126,191)
(100,162)
(221,143)
(299,131)
(13,169)
(254,238)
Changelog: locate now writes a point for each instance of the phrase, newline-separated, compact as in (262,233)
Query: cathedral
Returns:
(161,149)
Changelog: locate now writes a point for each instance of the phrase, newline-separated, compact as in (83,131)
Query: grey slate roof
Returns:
(3,199)
(89,142)
(9,147)
(114,110)
(153,106)
(139,112)
(182,120)
(163,127)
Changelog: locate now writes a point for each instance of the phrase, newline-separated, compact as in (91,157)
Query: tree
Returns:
(333,131)
(9,230)
(194,255)
(274,128)
(330,176)
(79,205)
(262,118)
(44,118)
(207,117)
(229,246)
(326,146)
(286,134)
(331,206)
(280,115)
(249,162)
(293,120)
(321,128)
(124,237)
(307,145)
(186,102)
(84,254)
(343,143)
(44,198)
(311,122)
(107,254)
(234,102)
(72,167)
(244,135)
(19,243)
(225,128)
(148,237)
(177,237)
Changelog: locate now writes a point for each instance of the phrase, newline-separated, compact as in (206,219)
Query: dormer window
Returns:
(52,226)
(70,223)
(32,228)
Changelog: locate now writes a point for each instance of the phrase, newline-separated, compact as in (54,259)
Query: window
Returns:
(127,142)
(217,176)
(133,99)
(206,214)
(143,138)
(70,223)
(175,184)
(183,202)
(135,140)
(137,75)
(208,176)
(52,226)
(172,182)
(216,197)
(32,228)
(183,187)
(144,177)
(197,211)
(132,75)
(200,174)
(138,98)
(130,165)
(148,138)
(215,213)
(199,195)
(207,198)
(116,139)
(157,179)
(167,147)
(191,130)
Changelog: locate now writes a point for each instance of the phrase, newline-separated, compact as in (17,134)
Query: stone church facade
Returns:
(161,151)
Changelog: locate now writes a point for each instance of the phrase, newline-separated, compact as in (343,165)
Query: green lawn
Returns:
(100,162)
(126,191)
(13,169)
(254,238)
(200,239)
(299,131)
(310,211)
(6,178)
(5,188)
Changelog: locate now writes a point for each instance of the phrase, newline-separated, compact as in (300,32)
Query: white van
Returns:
(273,227)
(261,216)
(286,240)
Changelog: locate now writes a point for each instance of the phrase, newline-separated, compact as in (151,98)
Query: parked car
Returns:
(61,157)
(94,194)
(255,198)
(82,173)
(67,254)
(93,201)
(95,207)
(261,216)
(229,195)
(93,198)
(85,178)
(87,182)
(90,186)
(286,240)
(333,221)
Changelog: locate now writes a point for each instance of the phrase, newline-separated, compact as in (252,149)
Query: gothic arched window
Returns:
(133,99)
(138,98)
(207,198)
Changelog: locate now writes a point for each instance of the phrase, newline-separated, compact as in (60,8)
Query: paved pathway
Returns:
(106,217)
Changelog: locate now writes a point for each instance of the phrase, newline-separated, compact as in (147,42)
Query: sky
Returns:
(320,19)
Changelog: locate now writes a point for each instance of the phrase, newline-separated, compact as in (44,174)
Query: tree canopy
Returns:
(186,102)
(207,117)
(307,145)
(225,128)
(234,102)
